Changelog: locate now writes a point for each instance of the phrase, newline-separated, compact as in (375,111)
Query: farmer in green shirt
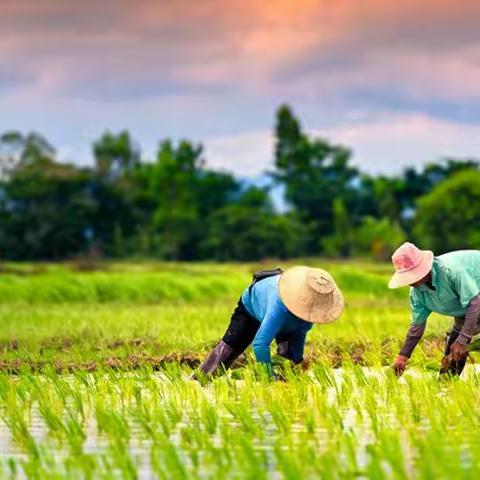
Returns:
(448,284)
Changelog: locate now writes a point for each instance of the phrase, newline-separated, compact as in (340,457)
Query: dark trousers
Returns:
(242,330)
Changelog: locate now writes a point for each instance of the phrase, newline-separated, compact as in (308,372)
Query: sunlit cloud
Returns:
(217,69)
(386,145)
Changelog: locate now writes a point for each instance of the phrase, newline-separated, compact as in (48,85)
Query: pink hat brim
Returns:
(402,279)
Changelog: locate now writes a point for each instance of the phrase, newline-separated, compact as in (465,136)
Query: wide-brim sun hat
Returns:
(411,265)
(311,294)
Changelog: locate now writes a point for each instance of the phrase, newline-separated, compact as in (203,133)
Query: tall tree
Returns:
(314,173)
(117,157)
(115,154)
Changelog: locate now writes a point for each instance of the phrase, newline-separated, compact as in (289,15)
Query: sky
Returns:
(396,81)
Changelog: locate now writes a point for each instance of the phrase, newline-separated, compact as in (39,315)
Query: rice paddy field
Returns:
(95,382)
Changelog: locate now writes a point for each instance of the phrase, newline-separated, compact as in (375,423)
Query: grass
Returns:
(95,368)
(53,312)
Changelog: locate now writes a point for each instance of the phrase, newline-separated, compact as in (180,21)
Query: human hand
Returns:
(400,364)
(304,364)
(458,351)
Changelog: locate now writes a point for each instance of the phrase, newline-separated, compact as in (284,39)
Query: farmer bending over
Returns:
(280,305)
(448,284)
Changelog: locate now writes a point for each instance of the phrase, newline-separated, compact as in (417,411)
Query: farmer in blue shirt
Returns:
(277,305)
(448,284)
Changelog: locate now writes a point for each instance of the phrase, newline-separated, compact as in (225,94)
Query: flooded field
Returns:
(349,423)
(95,382)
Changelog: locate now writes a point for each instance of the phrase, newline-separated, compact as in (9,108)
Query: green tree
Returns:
(448,218)
(395,197)
(184,193)
(46,210)
(315,174)
(377,238)
(116,220)
(340,242)
(18,150)
(249,229)
(115,154)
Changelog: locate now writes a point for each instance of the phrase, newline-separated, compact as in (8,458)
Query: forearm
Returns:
(414,334)
(269,328)
(471,319)
(262,353)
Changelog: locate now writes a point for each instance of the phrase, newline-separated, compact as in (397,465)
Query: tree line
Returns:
(174,207)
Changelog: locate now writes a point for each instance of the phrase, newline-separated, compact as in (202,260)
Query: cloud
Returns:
(216,70)
(386,145)
(248,154)
(391,143)
(120,49)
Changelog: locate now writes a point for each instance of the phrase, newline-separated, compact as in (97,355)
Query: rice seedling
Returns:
(95,382)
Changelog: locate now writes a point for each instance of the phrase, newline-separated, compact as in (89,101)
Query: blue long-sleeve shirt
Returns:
(263,302)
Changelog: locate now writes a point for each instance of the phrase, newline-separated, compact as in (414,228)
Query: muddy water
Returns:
(140,448)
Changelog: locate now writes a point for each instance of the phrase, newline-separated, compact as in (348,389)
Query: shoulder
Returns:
(458,259)
(443,265)
(458,267)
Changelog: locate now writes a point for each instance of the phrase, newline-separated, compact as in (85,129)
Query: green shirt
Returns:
(456,278)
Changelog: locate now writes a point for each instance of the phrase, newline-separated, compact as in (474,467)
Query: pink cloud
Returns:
(385,144)
(160,66)
(392,142)
(259,47)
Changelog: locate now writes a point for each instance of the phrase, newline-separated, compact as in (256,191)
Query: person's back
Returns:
(261,296)
(463,260)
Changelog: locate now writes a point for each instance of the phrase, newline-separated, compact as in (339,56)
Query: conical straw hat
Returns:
(311,294)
